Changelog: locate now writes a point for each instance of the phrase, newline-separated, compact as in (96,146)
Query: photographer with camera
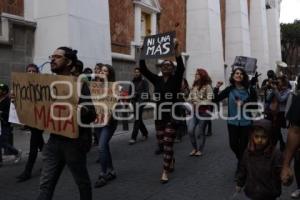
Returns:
(275,109)
(266,84)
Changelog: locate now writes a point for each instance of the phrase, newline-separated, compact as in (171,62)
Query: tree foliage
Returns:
(290,41)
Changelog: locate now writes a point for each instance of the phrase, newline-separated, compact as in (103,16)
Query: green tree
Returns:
(290,42)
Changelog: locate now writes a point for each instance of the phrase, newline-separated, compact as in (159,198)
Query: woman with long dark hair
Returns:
(200,95)
(166,87)
(104,135)
(238,93)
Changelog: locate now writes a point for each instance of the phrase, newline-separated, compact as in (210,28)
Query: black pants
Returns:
(238,139)
(139,125)
(36,144)
(4,141)
(57,153)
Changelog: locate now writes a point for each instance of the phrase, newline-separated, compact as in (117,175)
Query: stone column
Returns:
(137,23)
(204,39)
(153,23)
(274,33)
(259,35)
(82,25)
(237,34)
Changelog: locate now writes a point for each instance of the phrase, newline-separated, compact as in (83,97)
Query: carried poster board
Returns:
(157,46)
(104,97)
(247,63)
(47,102)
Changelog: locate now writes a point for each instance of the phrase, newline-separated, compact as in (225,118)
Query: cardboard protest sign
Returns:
(13,116)
(47,102)
(104,97)
(249,64)
(157,46)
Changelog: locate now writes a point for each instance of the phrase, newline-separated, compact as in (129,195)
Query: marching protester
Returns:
(200,95)
(293,139)
(275,110)
(296,194)
(97,71)
(289,107)
(60,150)
(166,87)
(181,111)
(36,139)
(261,164)
(140,94)
(104,135)
(97,68)
(5,124)
(238,93)
(88,72)
(266,84)
(78,68)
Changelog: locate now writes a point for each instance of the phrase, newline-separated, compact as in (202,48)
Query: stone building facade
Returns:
(211,32)
(16,39)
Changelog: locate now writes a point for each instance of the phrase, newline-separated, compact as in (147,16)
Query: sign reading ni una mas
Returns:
(157,46)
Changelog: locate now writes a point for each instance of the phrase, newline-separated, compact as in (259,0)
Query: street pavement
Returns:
(210,177)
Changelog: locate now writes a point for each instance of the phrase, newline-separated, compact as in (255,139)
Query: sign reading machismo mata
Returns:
(47,102)
(157,46)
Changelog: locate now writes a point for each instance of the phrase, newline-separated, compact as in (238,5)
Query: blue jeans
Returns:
(104,135)
(197,137)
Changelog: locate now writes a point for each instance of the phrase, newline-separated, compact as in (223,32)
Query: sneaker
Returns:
(131,141)
(110,176)
(18,157)
(100,182)
(193,152)
(198,153)
(295,194)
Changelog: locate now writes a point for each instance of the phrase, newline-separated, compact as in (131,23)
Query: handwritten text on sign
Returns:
(157,46)
(104,99)
(47,102)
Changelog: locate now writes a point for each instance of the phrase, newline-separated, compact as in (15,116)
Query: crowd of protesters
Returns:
(261,168)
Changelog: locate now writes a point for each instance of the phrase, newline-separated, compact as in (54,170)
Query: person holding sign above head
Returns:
(104,135)
(60,150)
(166,87)
(36,139)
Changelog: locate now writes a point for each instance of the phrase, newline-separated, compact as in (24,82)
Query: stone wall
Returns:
(18,53)
(14,7)
(173,17)
(121,25)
